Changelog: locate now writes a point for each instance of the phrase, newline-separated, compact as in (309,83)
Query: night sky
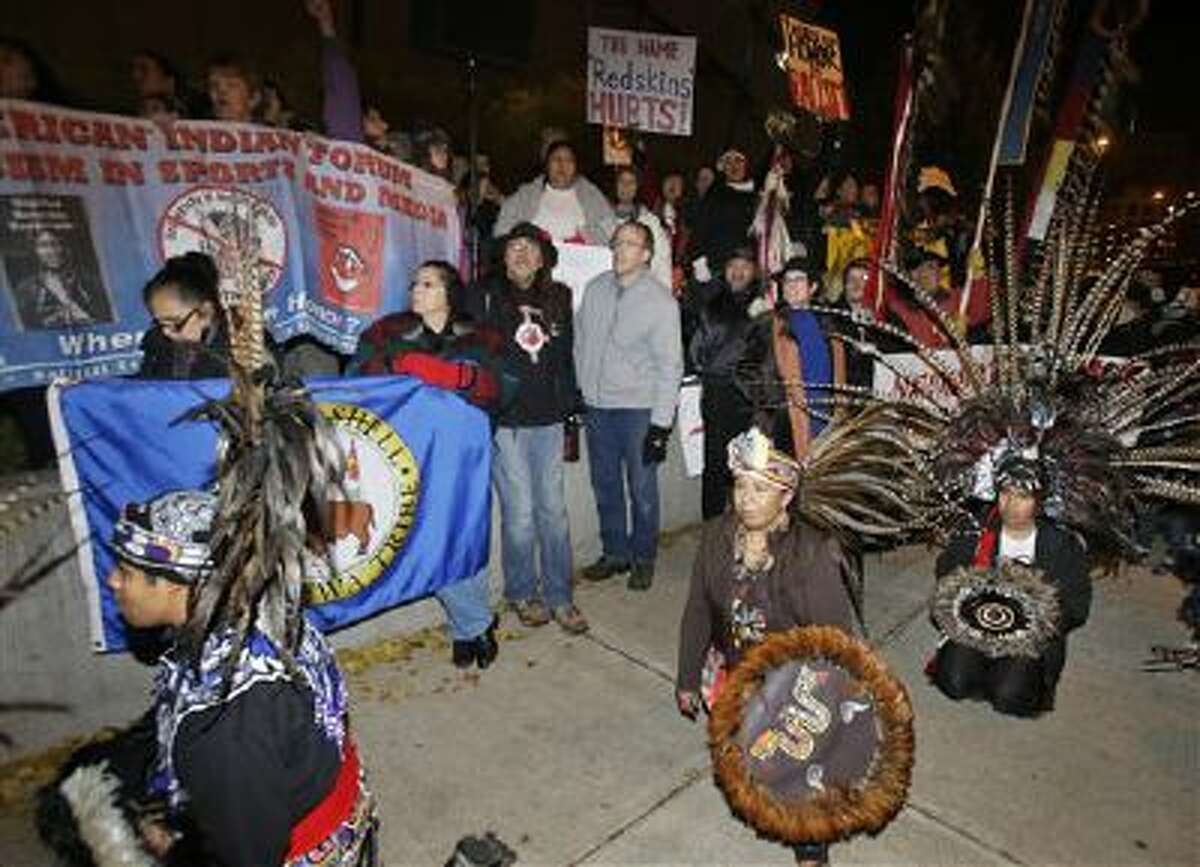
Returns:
(413,80)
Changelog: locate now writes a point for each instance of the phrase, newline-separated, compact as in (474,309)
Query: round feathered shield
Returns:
(812,737)
(1008,611)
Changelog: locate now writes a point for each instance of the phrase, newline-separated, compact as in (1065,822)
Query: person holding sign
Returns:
(438,343)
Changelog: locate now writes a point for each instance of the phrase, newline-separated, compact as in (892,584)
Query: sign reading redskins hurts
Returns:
(812,737)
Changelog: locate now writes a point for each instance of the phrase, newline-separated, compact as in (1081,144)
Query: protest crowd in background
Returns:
(604,300)
(699,215)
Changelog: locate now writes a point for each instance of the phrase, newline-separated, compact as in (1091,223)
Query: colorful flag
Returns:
(1089,65)
(1014,130)
(415,514)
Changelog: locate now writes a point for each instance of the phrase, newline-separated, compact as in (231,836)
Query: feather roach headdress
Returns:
(278,463)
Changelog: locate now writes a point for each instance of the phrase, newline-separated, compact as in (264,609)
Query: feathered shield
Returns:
(1008,611)
(812,737)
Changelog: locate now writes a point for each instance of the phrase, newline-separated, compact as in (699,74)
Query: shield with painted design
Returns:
(812,737)
(1007,611)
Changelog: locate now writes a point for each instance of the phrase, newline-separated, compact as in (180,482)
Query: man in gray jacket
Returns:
(628,361)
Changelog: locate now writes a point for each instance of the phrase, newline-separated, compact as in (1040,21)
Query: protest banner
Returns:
(414,513)
(905,376)
(643,81)
(92,204)
(814,67)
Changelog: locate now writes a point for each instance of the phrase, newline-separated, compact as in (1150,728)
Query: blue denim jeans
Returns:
(527,469)
(614,444)
(468,606)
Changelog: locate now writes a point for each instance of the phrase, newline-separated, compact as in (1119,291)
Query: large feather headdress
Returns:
(1107,433)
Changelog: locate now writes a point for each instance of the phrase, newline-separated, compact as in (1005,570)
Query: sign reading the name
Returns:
(92,204)
(642,81)
(814,66)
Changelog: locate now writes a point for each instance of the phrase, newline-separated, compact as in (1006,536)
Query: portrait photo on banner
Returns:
(50,271)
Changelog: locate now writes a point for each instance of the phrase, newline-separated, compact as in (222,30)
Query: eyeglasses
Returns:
(624,243)
(176,325)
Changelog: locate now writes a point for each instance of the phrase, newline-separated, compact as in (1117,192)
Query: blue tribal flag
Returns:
(415,515)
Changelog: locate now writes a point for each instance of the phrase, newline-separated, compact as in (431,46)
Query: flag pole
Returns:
(975,256)
(893,181)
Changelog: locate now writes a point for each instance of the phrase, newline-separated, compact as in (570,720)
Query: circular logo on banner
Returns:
(368,525)
(220,220)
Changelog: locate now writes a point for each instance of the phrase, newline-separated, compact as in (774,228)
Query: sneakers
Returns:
(571,619)
(531,612)
(605,568)
(641,577)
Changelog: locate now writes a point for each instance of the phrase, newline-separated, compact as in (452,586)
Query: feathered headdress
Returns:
(278,463)
(1087,420)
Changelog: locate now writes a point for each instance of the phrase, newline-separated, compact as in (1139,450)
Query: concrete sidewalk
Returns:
(571,750)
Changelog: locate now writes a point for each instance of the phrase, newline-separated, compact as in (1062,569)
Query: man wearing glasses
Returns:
(629,361)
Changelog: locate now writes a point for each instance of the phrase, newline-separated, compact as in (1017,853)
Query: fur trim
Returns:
(92,793)
(837,813)
(1021,586)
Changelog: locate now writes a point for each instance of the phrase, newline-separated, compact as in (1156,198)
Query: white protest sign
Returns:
(578,264)
(904,376)
(642,81)
(691,427)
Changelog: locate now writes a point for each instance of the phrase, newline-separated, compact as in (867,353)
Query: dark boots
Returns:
(481,650)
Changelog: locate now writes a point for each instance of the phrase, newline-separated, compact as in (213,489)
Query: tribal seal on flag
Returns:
(366,526)
(812,738)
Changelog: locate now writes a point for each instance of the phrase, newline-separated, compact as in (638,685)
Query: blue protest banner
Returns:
(92,204)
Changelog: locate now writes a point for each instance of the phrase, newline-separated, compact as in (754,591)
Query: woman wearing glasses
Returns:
(188,338)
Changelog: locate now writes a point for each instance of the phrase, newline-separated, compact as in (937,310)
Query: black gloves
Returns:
(654,446)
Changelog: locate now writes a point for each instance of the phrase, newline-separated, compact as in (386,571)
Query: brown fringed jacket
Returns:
(804,587)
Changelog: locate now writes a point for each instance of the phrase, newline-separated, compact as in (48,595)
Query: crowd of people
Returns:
(776,354)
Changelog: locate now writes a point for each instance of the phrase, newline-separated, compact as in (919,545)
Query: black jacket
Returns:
(719,342)
(724,217)
(164,358)
(537,330)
